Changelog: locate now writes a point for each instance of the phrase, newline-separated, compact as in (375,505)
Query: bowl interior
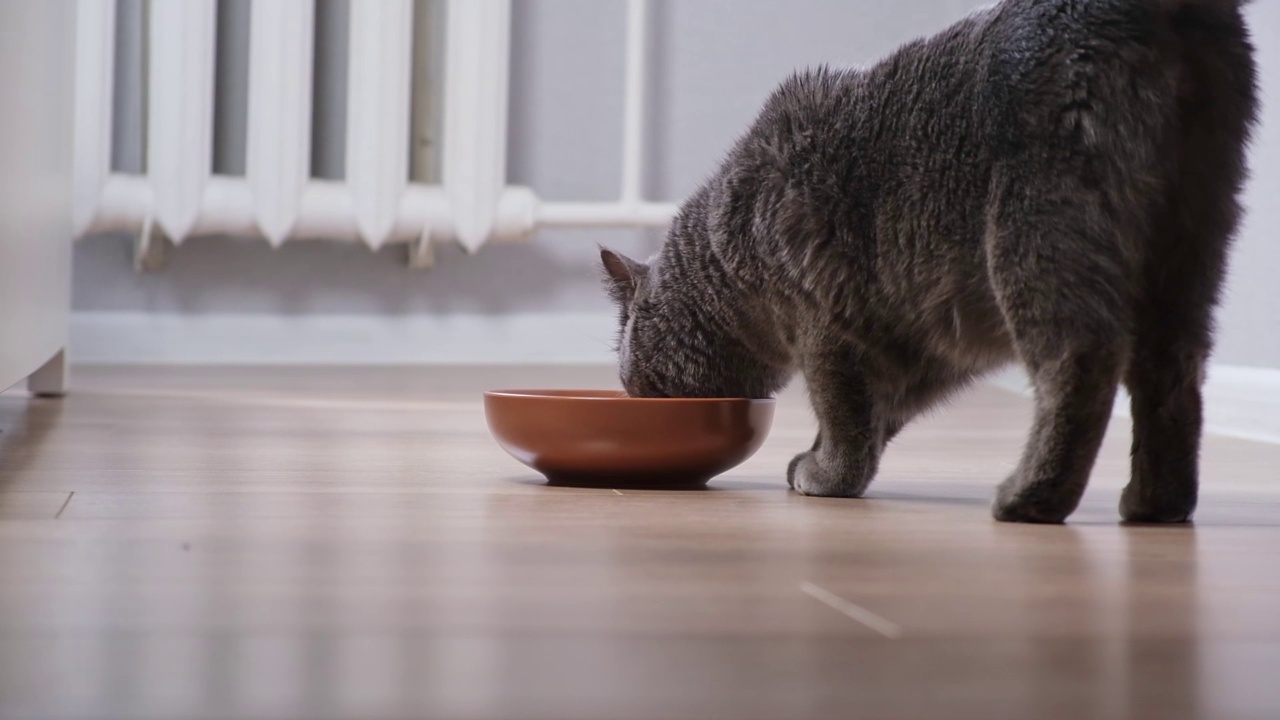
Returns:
(566,394)
(620,395)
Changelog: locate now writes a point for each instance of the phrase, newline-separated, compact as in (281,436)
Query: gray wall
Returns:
(1249,332)
(713,63)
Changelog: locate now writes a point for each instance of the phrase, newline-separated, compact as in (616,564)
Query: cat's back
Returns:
(944,104)
(898,157)
(908,134)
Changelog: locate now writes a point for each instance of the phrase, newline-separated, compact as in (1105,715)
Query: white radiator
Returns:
(277,198)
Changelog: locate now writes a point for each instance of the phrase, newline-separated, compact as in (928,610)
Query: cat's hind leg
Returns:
(1172,342)
(1058,266)
(1180,281)
(1164,379)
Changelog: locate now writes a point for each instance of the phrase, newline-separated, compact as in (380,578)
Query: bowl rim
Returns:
(599,395)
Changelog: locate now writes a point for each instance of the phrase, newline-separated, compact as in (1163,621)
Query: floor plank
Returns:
(349,543)
(32,504)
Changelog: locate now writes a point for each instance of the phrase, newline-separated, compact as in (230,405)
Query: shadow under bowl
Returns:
(602,438)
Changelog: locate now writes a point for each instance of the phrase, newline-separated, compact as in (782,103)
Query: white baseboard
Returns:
(152,338)
(1240,402)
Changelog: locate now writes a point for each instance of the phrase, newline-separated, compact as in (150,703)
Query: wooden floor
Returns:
(351,544)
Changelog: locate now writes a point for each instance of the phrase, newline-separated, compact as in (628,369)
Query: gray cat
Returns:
(1053,182)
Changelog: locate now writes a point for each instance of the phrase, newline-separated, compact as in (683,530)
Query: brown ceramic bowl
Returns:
(604,438)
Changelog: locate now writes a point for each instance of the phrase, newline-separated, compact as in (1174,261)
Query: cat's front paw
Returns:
(807,476)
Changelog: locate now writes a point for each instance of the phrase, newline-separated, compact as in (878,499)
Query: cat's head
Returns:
(668,344)
(653,356)
(628,284)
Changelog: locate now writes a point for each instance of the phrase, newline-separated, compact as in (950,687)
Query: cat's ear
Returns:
(623,276)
